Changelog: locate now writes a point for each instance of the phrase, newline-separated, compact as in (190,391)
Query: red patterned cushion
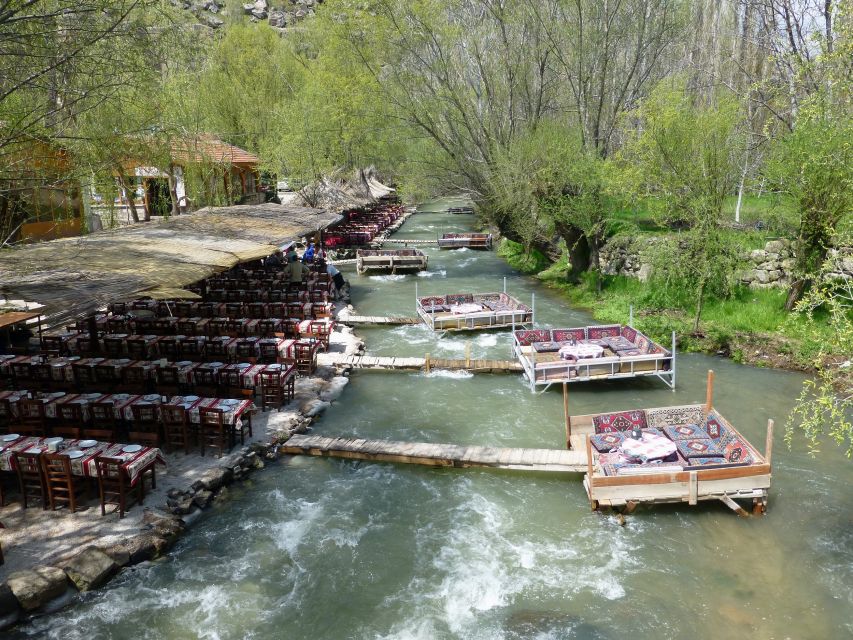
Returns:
(714,427)
(622,421)
(604,442)
(735,450)
(685,432)
(529,336)
(432,301)
(603,331)
(459,298)
(629,333)
(642,343)
(698,448)
(564,335)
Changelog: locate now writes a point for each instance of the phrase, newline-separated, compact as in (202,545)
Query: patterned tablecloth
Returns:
(14,397)
(122,402)
(233,409)
(134,462)
(466,307)
(651,447)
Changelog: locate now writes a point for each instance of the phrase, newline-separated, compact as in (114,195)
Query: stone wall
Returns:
(627,256)
(768,267)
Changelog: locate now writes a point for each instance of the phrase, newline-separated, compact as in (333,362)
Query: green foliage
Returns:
(528,261)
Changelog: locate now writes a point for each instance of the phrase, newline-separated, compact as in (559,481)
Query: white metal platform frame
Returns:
(468,240)
(392,260)
(660,365)
(481,320)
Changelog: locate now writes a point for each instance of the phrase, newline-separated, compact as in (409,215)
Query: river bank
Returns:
(51,555)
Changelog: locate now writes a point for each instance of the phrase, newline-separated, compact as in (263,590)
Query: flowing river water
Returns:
(324,549)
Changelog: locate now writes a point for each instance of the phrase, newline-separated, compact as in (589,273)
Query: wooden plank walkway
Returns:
(388,363)
(354,320)
(405,242)
(438,455)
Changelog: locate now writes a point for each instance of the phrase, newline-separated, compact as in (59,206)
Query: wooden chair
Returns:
(84,377)
(183,309)
(137,348)
(117,325)
(217,327)
(104,426)
(31,419)
(208,309)
(266,328)
(305,355)
(41,377)
(256,310)
(246,351)
(168,381)
(145,426)
(6,417)
(231,385)
(187,326)
(176,431)
(192,349)
(273,392)
(276,310)
(61,489)
(269,353)
(84,345)
(30,478)
(22,375)
(135,379)
(168,348)
(108,378)
(163,327)
(70,421)
(113,347)
(117,308)
(206,381)
(216,351)
(234,328)
(214,432)
(233,309)
(53,346)
(114,486)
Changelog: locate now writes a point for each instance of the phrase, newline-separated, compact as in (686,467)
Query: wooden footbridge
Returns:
(389,363)
(378,320)
(438,455)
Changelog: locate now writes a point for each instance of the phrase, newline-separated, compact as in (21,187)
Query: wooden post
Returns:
(567,416)
(92,328)
(589,471)
(426,363)
(768,447)
(468,356)
(709,391)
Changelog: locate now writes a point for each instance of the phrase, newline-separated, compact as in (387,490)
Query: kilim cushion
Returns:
(685,432)
(603,331)
(604,442)
(734,450)
(629,333)
(624,353)
(529,336)
(459,298)
(698,448)
(564,335)
(622,421)
(715,462)
(432,301)
(545,347)
(672,416)
(714,427)
(642,342)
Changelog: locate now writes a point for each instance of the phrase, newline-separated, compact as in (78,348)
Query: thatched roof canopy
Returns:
(73,277)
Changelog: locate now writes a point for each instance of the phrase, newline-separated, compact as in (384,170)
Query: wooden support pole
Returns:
(734,506)
(92,329)
(768,447)
(426,363)
(592,501)
(568,418)
(709,391)
(468,355)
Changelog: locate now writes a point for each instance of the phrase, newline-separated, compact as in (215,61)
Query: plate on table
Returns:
(132,448)
(273,367)
(86,444)
(151,397)
(216,364)
(9,437)
(231,402)
(34,450)
(55,440)
(123,360)
(74,454)
(184,363)
(121,396)
(94,396)
(244,365)
(190,398)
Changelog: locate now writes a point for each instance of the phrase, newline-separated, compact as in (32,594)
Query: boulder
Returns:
(33,588)
(775,246)
(216,477)
(277,18)
(211,21)
(90,568)
(140,548)
(202,498)
(10,610)
(258,14)
(758,256)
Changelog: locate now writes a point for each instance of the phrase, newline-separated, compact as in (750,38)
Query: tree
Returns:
(825,405)
(684,158)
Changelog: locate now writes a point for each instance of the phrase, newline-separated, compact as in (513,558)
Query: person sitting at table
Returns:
(308,256)
(293,270)
(274,261)
(337,280)
(291,254)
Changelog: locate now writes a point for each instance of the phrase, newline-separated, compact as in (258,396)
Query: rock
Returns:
(120,555)
(774,275)
(211,21)
(217,477)
(140,548)
(259,15)
(174,494)
(10,609)
(644,272)
(775,246)
(34,588)
(248,8)
(758,256)
(277,18)
(90,568)
(183,506)
(202,498)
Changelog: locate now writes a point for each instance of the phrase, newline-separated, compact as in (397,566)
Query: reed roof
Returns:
(73,277)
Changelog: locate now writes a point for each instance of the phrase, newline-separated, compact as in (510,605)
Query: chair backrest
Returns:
(144,414)
(183,308)
(168,348)
(186,326)
(234,327)
(269,351)
(56,468)
(191,347)
(256,310)
(137,348)
(212,417)
(134,376)
(84,375)
(70,413)
(246,348)
(118,307)
(103,413)
(168,376)
(22,371)
(105,374)
(216,348)
(117,325)
(41,373)
(206,376)
(234,309)
(217,327)
(31,411)
(113,347)
(27,464)
(173,414)
(207,309)
(110,471)
(5,412)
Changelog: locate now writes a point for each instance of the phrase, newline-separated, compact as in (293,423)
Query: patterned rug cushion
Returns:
(621,421)
(714,427)
(604,442)
(459,298)
(433,301)
(564,335)
(699,448)
(625,353)
(529,336)
(618,343)
(685,432)
(545,347)
(603,331)
(672,416)
(642,343)
(629,333)
(735,450)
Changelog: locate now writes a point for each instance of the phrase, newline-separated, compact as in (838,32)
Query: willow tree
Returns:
(684,157)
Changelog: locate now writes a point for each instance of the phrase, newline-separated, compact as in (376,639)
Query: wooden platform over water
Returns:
(438,455)
(389,363)
(395,320)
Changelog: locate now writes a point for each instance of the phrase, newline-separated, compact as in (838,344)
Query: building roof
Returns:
(211,149)
(73,277)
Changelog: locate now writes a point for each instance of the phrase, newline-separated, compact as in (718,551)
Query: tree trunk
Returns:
(173,190)
(579,253)
(795,293)
(130,195)
(700,299)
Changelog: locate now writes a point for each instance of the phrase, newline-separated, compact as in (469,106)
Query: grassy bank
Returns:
(751,326)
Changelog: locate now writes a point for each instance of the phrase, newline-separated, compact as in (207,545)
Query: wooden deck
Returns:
(438,455)
(405,242)
(389,363)
(357,320)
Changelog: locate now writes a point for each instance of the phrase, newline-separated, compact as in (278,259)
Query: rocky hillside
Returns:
(280,14)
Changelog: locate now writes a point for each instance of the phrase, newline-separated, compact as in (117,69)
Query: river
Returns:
(327,549)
